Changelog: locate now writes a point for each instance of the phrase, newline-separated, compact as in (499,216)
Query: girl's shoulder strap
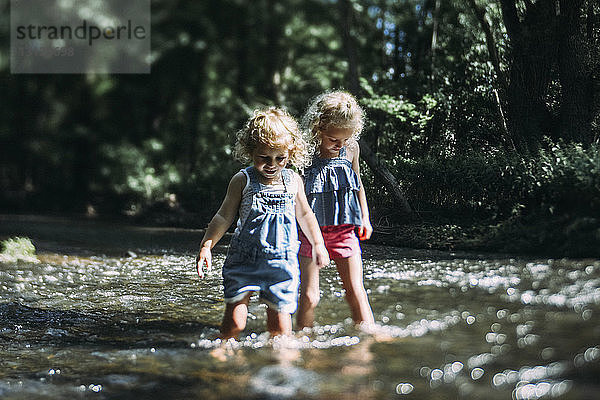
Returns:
(252,178)
(247,175)
(248,172)
(288,180)
(286,175)
(343,152)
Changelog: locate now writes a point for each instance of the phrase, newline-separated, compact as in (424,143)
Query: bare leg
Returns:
(234,320)
(351,272)
(278,323)
(309,292)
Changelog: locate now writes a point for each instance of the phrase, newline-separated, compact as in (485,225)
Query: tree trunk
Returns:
(490,42)
(533,52)
(575,69)
(500,78)
(381,172)
(193,112)
(346,18)
(273,33)
(434,40)
(593,40)
(399,63)
(384,175)
(241,52)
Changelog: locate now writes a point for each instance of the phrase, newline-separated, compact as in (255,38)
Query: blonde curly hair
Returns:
(275,128)
(332,109)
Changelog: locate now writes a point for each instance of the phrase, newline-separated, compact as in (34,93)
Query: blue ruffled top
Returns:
(332,187)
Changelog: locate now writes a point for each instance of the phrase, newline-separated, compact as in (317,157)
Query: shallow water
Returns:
(118,312)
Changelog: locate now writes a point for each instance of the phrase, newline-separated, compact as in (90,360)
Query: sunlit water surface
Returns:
(140,324)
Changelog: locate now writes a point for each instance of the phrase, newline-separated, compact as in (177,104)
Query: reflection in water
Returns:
(140,324)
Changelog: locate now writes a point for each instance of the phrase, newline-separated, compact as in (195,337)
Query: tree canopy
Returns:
(438,79)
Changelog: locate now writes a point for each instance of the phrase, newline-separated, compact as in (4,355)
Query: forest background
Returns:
(483,117)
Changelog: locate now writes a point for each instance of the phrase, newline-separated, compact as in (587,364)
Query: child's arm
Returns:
(364,231)
(221,221)
(309,225)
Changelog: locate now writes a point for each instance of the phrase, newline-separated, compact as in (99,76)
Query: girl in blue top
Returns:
(336,195)
(268,199)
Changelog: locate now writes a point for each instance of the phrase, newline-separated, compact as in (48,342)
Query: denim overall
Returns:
(263,254)
(332,190)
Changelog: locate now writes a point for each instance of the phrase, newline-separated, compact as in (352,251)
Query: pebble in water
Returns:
(284,381)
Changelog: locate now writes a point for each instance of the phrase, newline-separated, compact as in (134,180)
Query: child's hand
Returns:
(320,255)
(204,256)
(365,230)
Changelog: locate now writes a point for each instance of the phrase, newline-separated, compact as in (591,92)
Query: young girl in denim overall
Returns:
(268,199)
(335,193)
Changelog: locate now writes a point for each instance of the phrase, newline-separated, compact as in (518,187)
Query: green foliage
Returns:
(130,173)
(18,249)
(563,179)
(397,126)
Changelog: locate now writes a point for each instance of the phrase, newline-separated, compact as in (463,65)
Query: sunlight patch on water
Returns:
(526,382)
(404,388)
(331,336)
(553,283)
(257,341)
(92,283)
(462,274)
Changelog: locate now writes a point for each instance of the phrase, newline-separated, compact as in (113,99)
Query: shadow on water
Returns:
(67,328)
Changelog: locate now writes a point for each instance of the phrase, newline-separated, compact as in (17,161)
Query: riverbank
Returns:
(76,234)
(530,235)
(549,237)
(560,236)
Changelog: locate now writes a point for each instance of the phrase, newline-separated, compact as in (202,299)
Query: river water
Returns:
(113,311)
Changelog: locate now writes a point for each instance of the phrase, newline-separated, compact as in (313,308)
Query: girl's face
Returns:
(333,139)
(269,161)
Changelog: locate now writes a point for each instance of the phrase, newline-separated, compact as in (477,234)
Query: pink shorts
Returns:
(340,241)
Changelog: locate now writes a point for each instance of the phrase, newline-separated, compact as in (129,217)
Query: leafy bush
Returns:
(397,126)
(18,249)
(129,173)
(563,178)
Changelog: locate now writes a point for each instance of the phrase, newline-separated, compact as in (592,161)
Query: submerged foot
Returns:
(379,332)
(224,351)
